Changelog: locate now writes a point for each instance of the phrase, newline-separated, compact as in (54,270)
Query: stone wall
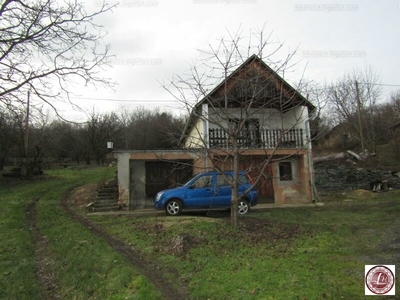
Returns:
(335,178)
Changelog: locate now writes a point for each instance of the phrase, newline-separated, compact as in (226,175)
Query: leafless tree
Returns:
(8,137)
(46,47)
(243,106)
(150,130)
(95,134)
(353,99)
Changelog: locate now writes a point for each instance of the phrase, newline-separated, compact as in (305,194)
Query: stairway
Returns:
(107,196)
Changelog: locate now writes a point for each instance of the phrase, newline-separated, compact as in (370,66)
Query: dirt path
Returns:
(148,268)
(45,270)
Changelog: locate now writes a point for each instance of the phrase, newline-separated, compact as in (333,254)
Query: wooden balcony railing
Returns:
(259,139)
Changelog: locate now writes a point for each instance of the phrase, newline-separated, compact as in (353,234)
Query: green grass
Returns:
(296,253)
(88,268)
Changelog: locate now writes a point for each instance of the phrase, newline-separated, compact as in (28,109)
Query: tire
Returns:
(243,207)
(173,208)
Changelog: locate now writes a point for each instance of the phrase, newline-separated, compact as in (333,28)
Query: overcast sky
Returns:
(154,39)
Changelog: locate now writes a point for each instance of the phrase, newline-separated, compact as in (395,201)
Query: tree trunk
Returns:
(235,196)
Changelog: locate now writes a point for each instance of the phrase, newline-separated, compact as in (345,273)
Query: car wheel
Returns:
(173,208)
(243,207)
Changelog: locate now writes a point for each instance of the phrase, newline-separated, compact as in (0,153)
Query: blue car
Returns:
(210,190)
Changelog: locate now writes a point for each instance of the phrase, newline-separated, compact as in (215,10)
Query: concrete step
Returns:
(102,197)
(111,194)
(107,190)
(108,201)
(106,208)
(113,199)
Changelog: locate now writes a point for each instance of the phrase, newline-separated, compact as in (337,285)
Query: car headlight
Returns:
(158,197)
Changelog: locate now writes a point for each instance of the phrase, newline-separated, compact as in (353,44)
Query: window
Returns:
(244,179)
(203,181)
(285,171)
(222,181)
(228,179)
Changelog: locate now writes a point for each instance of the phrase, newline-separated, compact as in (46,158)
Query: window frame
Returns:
(283,167)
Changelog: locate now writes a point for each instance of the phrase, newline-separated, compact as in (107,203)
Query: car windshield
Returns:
(190,181)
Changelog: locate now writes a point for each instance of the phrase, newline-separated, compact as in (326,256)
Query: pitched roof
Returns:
(280,84)
(395,126)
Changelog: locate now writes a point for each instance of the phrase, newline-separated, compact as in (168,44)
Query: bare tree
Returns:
(245,110)
(47,46)
(96,132)
(353,99)
(8,137)
(150,130)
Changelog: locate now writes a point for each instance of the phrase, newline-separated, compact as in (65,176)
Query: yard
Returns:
(296,253)
(290,253)
(44,254)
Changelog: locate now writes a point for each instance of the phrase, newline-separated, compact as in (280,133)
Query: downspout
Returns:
(205,133)
(309,155)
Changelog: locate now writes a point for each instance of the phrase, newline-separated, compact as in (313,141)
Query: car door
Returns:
(200,193)
(223,191)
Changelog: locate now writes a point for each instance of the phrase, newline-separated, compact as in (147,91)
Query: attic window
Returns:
(285,171)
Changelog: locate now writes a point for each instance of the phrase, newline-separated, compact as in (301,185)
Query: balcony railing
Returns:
(259,139)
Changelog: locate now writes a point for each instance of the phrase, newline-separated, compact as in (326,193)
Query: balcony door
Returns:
(250,136)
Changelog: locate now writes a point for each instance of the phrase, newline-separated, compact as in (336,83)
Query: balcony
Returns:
(259,139)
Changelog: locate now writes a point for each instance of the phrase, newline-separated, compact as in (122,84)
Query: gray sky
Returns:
(155,39)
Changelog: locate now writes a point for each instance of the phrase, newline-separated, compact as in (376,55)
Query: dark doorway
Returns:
(161,175)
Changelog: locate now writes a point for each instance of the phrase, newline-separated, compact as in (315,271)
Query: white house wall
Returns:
(269,118)
(196,136)
(296,118)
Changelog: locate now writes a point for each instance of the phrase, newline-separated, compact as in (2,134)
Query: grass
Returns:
(292,253)
(296,253)
(88,268)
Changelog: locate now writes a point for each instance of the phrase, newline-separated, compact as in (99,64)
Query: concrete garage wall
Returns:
(123,177)
(137,198)
(132,172)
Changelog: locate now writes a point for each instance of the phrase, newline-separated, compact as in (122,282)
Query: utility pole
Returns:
(359,118)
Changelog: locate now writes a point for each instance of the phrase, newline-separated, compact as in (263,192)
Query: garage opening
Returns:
(161,175)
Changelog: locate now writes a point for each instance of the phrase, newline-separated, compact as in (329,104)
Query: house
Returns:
(394,130)
(256,110)
(341,137)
